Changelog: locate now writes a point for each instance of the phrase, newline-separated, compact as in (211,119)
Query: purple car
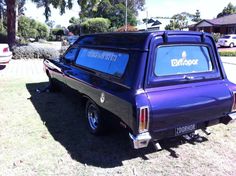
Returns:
(157,84)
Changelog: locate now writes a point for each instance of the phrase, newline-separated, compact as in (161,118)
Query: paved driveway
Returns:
(23,69)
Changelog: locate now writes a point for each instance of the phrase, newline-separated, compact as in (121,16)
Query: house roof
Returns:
(225,20)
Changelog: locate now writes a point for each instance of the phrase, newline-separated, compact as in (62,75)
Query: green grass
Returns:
(227,53)
(45,134)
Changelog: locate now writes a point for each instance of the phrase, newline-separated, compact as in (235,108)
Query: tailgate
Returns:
(189,104)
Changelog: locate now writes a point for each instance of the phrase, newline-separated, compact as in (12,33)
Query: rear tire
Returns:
(95,121)
(231,45)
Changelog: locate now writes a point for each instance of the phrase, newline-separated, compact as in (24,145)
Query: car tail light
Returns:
(234,102)
(143,119)
(5,50)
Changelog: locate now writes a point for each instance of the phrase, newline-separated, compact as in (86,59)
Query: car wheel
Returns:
(94,119)
(231,45)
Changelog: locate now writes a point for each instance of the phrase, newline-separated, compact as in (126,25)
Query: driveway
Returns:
(23,69)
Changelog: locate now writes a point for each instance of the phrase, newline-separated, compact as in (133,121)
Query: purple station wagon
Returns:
(157,84)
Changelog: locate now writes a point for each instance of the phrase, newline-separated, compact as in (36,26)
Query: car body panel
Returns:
(227,40)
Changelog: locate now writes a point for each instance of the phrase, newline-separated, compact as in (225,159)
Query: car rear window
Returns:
(109,62)
(182,59)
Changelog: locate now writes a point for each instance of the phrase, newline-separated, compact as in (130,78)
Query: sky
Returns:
(167,8)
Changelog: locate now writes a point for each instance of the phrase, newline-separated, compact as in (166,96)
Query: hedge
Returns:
(227,53)
(34,52)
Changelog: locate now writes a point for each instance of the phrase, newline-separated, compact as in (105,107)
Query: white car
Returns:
(227,40)
(5,53)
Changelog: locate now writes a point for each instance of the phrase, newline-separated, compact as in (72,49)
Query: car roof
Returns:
(128,40)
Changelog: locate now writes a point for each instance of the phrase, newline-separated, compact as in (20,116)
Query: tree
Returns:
(11,22)
(30,28)
(95,25)
(228,10)
(114,10)
(57,4)
(197,16)
(74,20)
(179,22)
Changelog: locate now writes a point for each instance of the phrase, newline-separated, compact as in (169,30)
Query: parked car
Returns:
(157,84)
(227,41)
(5,53)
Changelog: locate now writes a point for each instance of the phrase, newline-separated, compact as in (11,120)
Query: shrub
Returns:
(95,25)
(34,52)
(227,53)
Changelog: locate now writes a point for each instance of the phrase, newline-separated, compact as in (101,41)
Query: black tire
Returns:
(95,121)
(231,45)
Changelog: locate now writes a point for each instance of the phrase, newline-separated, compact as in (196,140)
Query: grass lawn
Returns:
(45,134)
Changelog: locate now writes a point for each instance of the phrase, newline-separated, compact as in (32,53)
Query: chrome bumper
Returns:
(141,140)
(233,117)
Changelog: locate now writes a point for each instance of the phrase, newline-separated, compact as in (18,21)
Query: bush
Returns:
(227,53)
(34,52)
(95,25)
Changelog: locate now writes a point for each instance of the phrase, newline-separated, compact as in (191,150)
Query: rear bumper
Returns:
(142,140)
(5,58)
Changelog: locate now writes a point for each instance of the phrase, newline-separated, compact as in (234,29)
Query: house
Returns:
(154,24)
(222,25)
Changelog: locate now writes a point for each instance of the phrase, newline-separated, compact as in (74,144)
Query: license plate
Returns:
(185,129)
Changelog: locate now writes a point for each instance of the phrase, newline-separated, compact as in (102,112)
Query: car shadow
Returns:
(2,67)
(63,115)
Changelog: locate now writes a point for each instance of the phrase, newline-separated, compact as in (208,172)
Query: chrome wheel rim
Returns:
(93,117)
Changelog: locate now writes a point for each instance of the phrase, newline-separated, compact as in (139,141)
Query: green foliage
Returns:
(227,53)
(228,10)
(58,31)
(114,10)
(62,5)
(74,28)
(197,16)
(95,25)
(74,20)
(179,22)
(29,28)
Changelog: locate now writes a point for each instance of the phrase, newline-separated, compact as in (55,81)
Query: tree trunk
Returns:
(11,22)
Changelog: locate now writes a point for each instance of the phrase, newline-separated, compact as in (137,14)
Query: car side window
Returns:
(71,54)
(109,62)
(234,37)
